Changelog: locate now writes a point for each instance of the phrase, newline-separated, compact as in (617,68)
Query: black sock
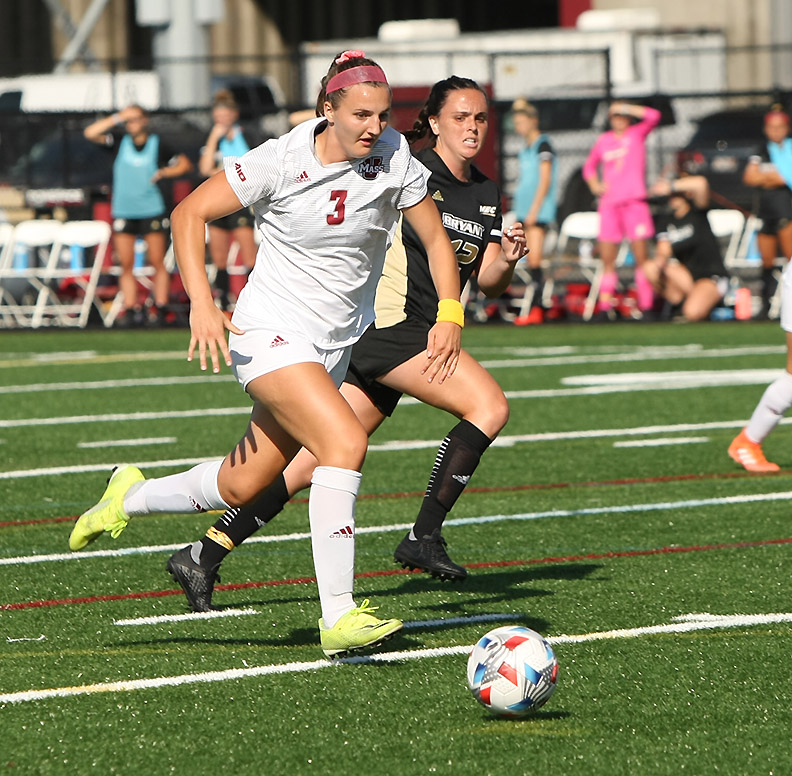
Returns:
(223,285)
(454,465)
(238,523)
(769,285)
(537,278)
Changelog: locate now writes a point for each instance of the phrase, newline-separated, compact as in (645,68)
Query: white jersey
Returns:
(325,230)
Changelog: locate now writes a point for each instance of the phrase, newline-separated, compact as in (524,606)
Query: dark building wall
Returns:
(329,19)
(25,39)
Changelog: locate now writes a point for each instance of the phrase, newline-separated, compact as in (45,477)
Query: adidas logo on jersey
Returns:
(343,533)
(303,177)
(278,341)
(438,196)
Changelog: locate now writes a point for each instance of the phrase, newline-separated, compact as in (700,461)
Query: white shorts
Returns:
(261,350)
(786,299)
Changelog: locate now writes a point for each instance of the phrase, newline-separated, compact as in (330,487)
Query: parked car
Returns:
(63,168)
(719,149)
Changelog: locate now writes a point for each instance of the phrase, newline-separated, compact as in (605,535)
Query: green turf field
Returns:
(607,516)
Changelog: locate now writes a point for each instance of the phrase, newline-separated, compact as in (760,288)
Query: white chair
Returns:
(70,278)
(583,226)
(728,225)
(31,250)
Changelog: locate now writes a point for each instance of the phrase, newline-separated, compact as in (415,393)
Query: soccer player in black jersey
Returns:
(391,357)
(687,268)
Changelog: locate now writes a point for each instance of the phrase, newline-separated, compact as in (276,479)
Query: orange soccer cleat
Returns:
(749,455)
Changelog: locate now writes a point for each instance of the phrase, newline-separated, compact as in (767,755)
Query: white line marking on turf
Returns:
(92,385)
(156,620)
(42,637)
(750,498)
(457,620)
(127,442)
(661,441)
(407,444)
(708,623)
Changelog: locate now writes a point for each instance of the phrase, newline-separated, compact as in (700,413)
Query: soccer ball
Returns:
(512,671)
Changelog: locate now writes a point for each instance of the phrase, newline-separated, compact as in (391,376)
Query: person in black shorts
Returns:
(137,205)
(391,357)
(769,171)
(687,268)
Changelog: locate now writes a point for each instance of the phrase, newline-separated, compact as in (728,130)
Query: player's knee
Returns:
(346,451)
(491,415)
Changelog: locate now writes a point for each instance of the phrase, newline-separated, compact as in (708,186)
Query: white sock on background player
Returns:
(775,401)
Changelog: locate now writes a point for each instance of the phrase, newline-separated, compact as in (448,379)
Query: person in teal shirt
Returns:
(227,139)
(769,171)
(535,196)
(137,205)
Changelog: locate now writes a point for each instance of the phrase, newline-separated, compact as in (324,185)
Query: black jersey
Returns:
(771,203)
(693,243)
(471,215)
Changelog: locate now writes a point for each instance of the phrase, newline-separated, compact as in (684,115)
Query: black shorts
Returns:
(141,225)
(774,225)
(241,218)
(380,350)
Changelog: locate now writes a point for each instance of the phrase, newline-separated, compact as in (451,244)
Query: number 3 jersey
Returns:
(471,214)
(325,230)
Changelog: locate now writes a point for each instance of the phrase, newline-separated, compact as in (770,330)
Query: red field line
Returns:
(498,489)
(394,572)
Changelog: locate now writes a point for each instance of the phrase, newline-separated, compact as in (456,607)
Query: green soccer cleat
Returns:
(108,515)
(357,629)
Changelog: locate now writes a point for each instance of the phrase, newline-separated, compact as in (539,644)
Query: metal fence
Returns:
(571,89)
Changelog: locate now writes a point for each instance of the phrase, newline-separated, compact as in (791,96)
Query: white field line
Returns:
(649,354)
(156,620)
(127,442)
(95,385)
(92,357)
(661,442)
(751,498)
(659,382)
(685,626)
(406,444)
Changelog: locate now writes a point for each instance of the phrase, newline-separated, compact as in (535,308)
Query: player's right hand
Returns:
(208,325)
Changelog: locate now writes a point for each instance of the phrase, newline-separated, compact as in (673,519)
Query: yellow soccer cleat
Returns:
(108,515)
(357,629)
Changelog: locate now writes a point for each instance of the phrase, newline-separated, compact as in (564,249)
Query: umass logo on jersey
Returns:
(371,167)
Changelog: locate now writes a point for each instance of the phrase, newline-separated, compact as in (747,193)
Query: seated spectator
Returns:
(687,268)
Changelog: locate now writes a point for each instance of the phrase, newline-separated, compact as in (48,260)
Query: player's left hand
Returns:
(442,351)
(513,242)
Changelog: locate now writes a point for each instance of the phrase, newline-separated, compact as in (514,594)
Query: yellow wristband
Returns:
(452,311)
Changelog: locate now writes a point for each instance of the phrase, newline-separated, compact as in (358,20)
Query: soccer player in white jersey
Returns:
(327,197)
(387,361)
(746,447)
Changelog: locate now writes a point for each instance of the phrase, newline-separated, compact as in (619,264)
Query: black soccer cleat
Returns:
(196,581)
(428,554)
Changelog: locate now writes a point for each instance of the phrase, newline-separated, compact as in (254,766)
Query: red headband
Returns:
(776,113)
(356,75)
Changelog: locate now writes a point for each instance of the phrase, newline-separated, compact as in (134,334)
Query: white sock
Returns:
(192,491)
(775,401)
(331,509)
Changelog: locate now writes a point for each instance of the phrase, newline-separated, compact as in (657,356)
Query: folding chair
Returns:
(31,249)
(728,225)
(69,287)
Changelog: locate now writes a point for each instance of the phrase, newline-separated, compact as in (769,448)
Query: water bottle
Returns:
(585,251)
(76,257)
(140,252)
(21,256)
